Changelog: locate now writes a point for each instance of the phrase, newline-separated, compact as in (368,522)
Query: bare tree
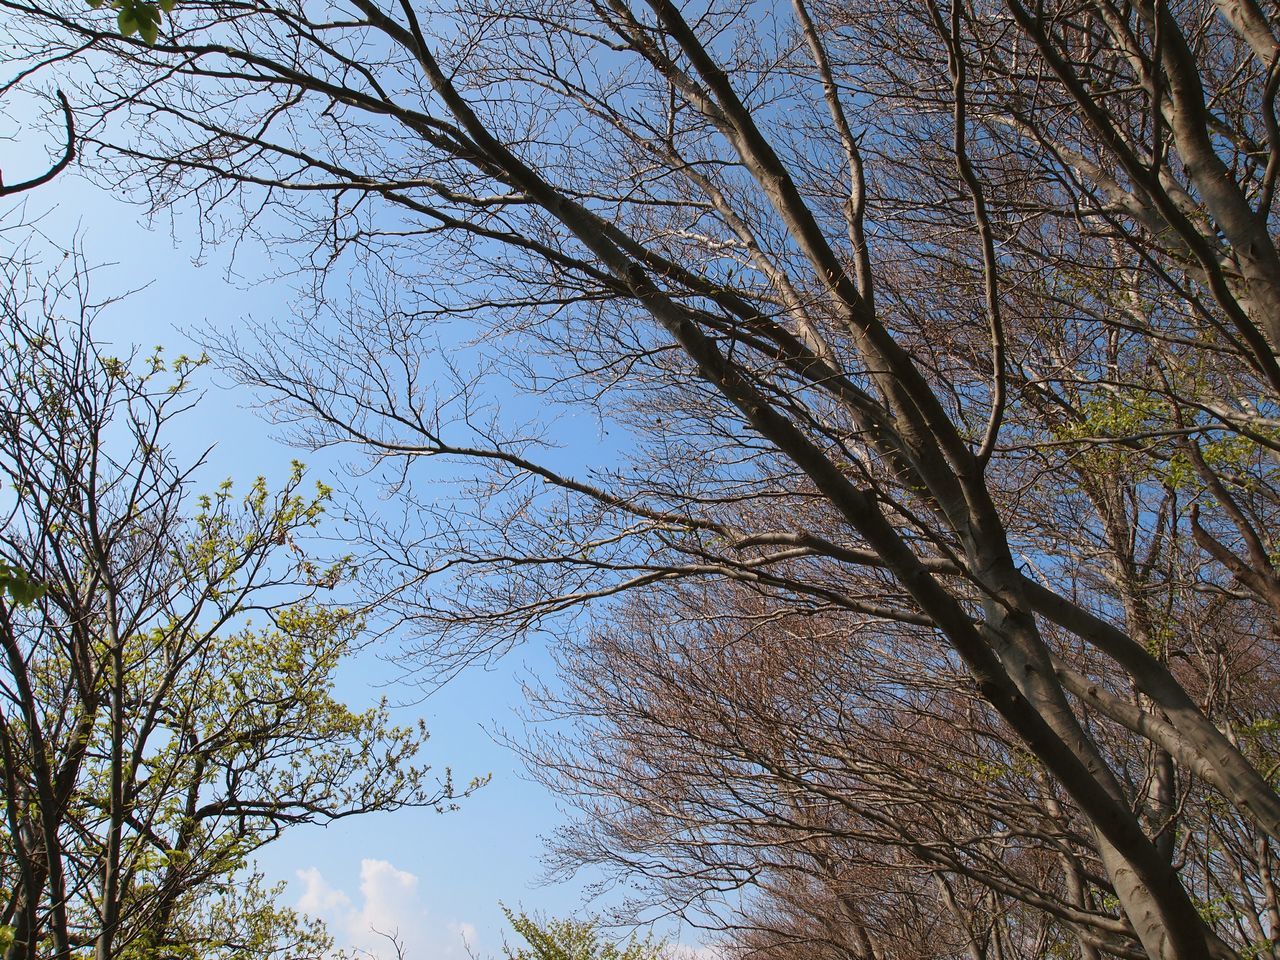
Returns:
(861,800)
(64,161)
(854,283)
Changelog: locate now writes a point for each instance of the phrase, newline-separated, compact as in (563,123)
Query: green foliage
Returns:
(243,921)
(1258,948)
(18,586)
(1105,423)
(1216,909)
(1259,740)
(574,940)
(142,17)
(179,677)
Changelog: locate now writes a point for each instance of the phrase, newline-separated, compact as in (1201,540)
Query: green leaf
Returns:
(127,22)
(18,586)
(25,592)
(168,5)
(149,31)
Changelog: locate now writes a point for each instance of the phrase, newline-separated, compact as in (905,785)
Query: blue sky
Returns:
(436,878)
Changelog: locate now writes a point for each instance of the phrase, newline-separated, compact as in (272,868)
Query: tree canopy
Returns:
(937,343)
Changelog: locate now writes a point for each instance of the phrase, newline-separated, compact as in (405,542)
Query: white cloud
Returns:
(389,904)
(703,951)
(465,932)
(318,898)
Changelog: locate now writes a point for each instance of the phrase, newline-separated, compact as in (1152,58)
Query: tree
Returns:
(860,284)
(572,940)
(751,769)
(68,154)
(167,688)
